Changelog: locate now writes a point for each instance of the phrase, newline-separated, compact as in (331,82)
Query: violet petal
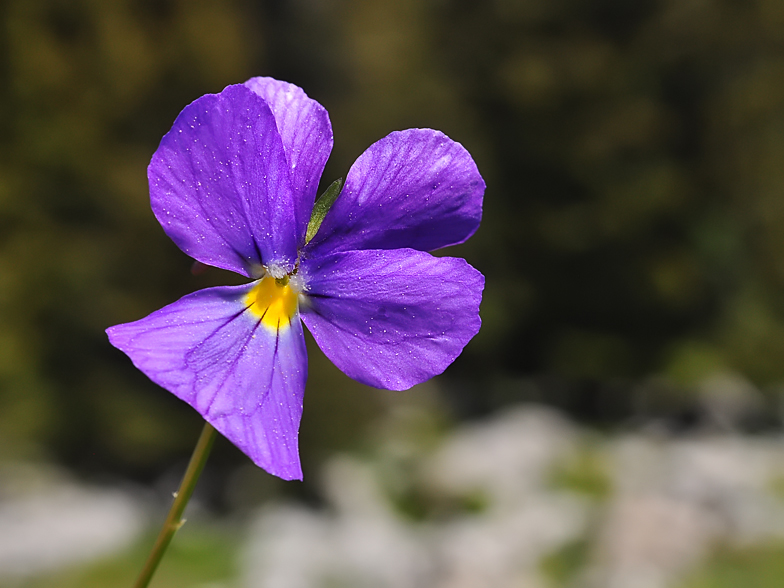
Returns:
(243,377)
(415,188)
(220,184)
(306,133)
(392,319)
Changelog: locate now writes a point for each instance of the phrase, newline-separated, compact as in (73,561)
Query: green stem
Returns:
(174,519)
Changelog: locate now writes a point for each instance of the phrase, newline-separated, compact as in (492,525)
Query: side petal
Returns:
(220,184)
(414,188)
(392,319)
(306,132)
(243,377)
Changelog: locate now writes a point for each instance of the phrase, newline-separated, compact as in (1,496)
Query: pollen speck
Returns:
(274,301)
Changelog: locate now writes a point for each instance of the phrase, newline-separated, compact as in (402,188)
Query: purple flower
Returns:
(233,184)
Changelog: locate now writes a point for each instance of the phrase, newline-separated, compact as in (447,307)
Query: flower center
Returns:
(274,301)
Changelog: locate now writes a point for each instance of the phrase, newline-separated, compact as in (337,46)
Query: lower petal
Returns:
(243,375)
(392,318)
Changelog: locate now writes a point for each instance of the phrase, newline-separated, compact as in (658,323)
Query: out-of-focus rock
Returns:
(729,399)
(665,502)
(647,540)
(504,548)
(362,541)
(506,457)
(48,521)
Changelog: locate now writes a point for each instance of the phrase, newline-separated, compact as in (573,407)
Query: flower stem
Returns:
(174,519)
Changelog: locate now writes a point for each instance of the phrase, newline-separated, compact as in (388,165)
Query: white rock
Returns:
(57,522)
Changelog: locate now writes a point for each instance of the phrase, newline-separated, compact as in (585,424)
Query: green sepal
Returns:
(321,208)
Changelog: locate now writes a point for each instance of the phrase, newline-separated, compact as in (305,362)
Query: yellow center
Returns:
(273,301)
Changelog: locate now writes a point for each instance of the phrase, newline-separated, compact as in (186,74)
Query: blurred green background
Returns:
(633,229)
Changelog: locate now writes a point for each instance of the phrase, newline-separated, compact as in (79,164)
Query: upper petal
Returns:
(414,188)
(392,319)
(220,184)
(244,377)
(306,133)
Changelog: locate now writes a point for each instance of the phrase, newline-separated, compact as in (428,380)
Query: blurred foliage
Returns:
(633,153)
(586,473)
(753,567)
(563,566)
(203,555)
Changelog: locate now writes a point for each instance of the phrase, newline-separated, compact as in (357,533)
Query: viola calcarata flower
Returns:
(233,184)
